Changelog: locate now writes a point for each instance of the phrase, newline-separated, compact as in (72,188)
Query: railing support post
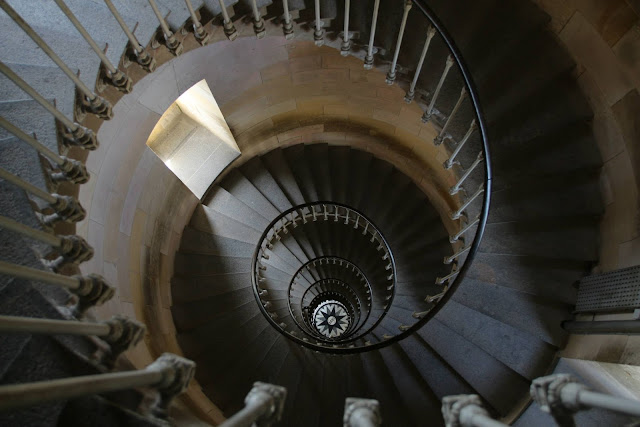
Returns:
(119,80)
(466,410)
(443,132)
(562,395)
(91,290)
(368,59)
(264,405)
(412,89)
(318,34)
(345,47)
(448,164)
(74,133)
(361,413)
(258,22)
(198,30)
(429,113)
(172,43)
(454,190)
(169,374)
(391,75)
(287,26)
(142,57)
(229,29)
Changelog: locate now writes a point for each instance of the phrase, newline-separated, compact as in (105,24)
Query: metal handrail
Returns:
(255,273)
(472,93)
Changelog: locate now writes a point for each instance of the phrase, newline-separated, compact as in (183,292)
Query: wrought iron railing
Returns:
(68,251)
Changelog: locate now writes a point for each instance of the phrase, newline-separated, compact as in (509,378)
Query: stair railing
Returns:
(70,170)
(562,396)
(360,412)
(75,134)
(264,405)
(169,375)
(466,410)
(142,57)
(91,102)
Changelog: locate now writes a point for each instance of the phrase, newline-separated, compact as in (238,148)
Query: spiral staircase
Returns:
(319,267)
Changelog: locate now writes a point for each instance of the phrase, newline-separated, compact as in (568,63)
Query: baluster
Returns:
(368,59)
(562,395)
(437,297)
(450,259)
(65,208)
(361,413)
(419,315)
(169,374)
(441,280)
(318,34)
(143,58)
(287,26)
(92,290)
(456,236)
(264,402)
(119,332)
(456,188)
(71,249)
(466,410)
(172,43)
(412,89)
(120,80)
(75,134)
(345,47)
(90,101)
(443,132)
(457,214)
(70,170)
(229,28)
(198,30)
(258,22)
(450,162)
(391,75)
(429,113)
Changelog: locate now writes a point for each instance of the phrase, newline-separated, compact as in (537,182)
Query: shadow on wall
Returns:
(192,138)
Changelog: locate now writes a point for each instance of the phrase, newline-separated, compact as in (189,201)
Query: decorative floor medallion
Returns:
(331,319)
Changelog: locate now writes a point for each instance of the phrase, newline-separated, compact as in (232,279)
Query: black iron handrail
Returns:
(484,213)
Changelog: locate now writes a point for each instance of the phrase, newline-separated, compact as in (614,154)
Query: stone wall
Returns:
(282,93)
(604,39)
